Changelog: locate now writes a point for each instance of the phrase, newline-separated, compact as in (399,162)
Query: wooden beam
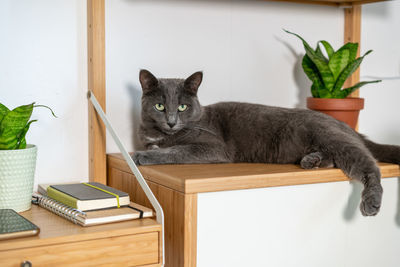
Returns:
(180,211)
(96,83)
(190,230)
(352,33)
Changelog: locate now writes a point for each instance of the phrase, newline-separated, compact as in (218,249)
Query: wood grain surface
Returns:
(97,84)
(352,33)
(61,242)
(180,211)
(197,178)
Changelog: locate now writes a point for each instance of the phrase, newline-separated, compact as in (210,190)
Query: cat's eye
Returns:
(159,107)
(182,107)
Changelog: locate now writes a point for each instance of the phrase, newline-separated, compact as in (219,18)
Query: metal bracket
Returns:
(139,177)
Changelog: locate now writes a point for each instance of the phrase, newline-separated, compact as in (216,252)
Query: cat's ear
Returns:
(193,82)
(147,80)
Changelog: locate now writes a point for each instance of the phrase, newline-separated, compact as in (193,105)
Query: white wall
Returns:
(380,31)
(43,53)
(240,46)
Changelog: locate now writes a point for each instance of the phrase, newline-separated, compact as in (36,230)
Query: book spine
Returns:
(62,197)
(60,209)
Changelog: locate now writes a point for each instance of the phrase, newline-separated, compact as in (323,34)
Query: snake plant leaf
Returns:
(328,48)
(347,91)
(314,91)
(323,68)
(312,72)
(341,58)
(8,143)
(319,61)
(13,124)
(22,144)
(320,93)
(338,61)
(325,93)
(353,48)
(350,68)
(3,111)
(44,106)
(318,51)
(15,120)
(21,135)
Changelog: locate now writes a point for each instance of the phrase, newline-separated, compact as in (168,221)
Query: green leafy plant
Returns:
(14,124)
(329,74)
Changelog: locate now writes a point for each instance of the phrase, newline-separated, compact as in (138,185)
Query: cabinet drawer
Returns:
(129,250)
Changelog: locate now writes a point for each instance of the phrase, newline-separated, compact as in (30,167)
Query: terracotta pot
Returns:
(346,109)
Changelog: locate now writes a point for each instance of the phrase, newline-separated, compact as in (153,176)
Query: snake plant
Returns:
(329,74)
(14,124)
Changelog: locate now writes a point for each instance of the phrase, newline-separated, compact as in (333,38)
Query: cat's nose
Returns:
(171,124)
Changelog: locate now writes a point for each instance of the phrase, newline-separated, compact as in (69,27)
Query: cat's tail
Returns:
(383,153)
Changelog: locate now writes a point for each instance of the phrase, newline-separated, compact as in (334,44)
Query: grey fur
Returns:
(242,132)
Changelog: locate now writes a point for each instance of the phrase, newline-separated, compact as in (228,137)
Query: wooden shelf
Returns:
(197,178)
(332,2)
(59,242)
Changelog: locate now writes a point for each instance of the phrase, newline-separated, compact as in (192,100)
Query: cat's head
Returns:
(170,104)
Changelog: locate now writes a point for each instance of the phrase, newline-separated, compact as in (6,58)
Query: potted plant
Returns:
(328,74)
(17,159)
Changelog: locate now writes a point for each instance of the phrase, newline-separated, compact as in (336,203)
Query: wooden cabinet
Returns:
(62,243)
(177,187)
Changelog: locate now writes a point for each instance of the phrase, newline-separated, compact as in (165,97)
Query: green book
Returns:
(90,196)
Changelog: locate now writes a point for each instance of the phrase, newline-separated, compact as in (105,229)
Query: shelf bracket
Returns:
(135,170)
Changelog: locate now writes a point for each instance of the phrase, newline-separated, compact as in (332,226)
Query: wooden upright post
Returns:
(352,33)
(96,83)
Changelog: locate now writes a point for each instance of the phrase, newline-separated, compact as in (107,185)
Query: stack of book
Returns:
(89,203)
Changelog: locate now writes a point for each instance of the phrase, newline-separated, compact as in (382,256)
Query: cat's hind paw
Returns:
(371,200)
(311,161)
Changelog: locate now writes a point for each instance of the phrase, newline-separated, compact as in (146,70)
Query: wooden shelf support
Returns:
(97,84)
(352,33)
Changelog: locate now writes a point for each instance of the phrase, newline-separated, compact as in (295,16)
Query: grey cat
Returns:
(176,129)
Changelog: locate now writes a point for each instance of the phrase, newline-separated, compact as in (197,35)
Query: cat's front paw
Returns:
(142,158)
(371,200)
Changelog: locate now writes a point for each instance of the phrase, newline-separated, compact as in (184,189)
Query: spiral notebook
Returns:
(88,218)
